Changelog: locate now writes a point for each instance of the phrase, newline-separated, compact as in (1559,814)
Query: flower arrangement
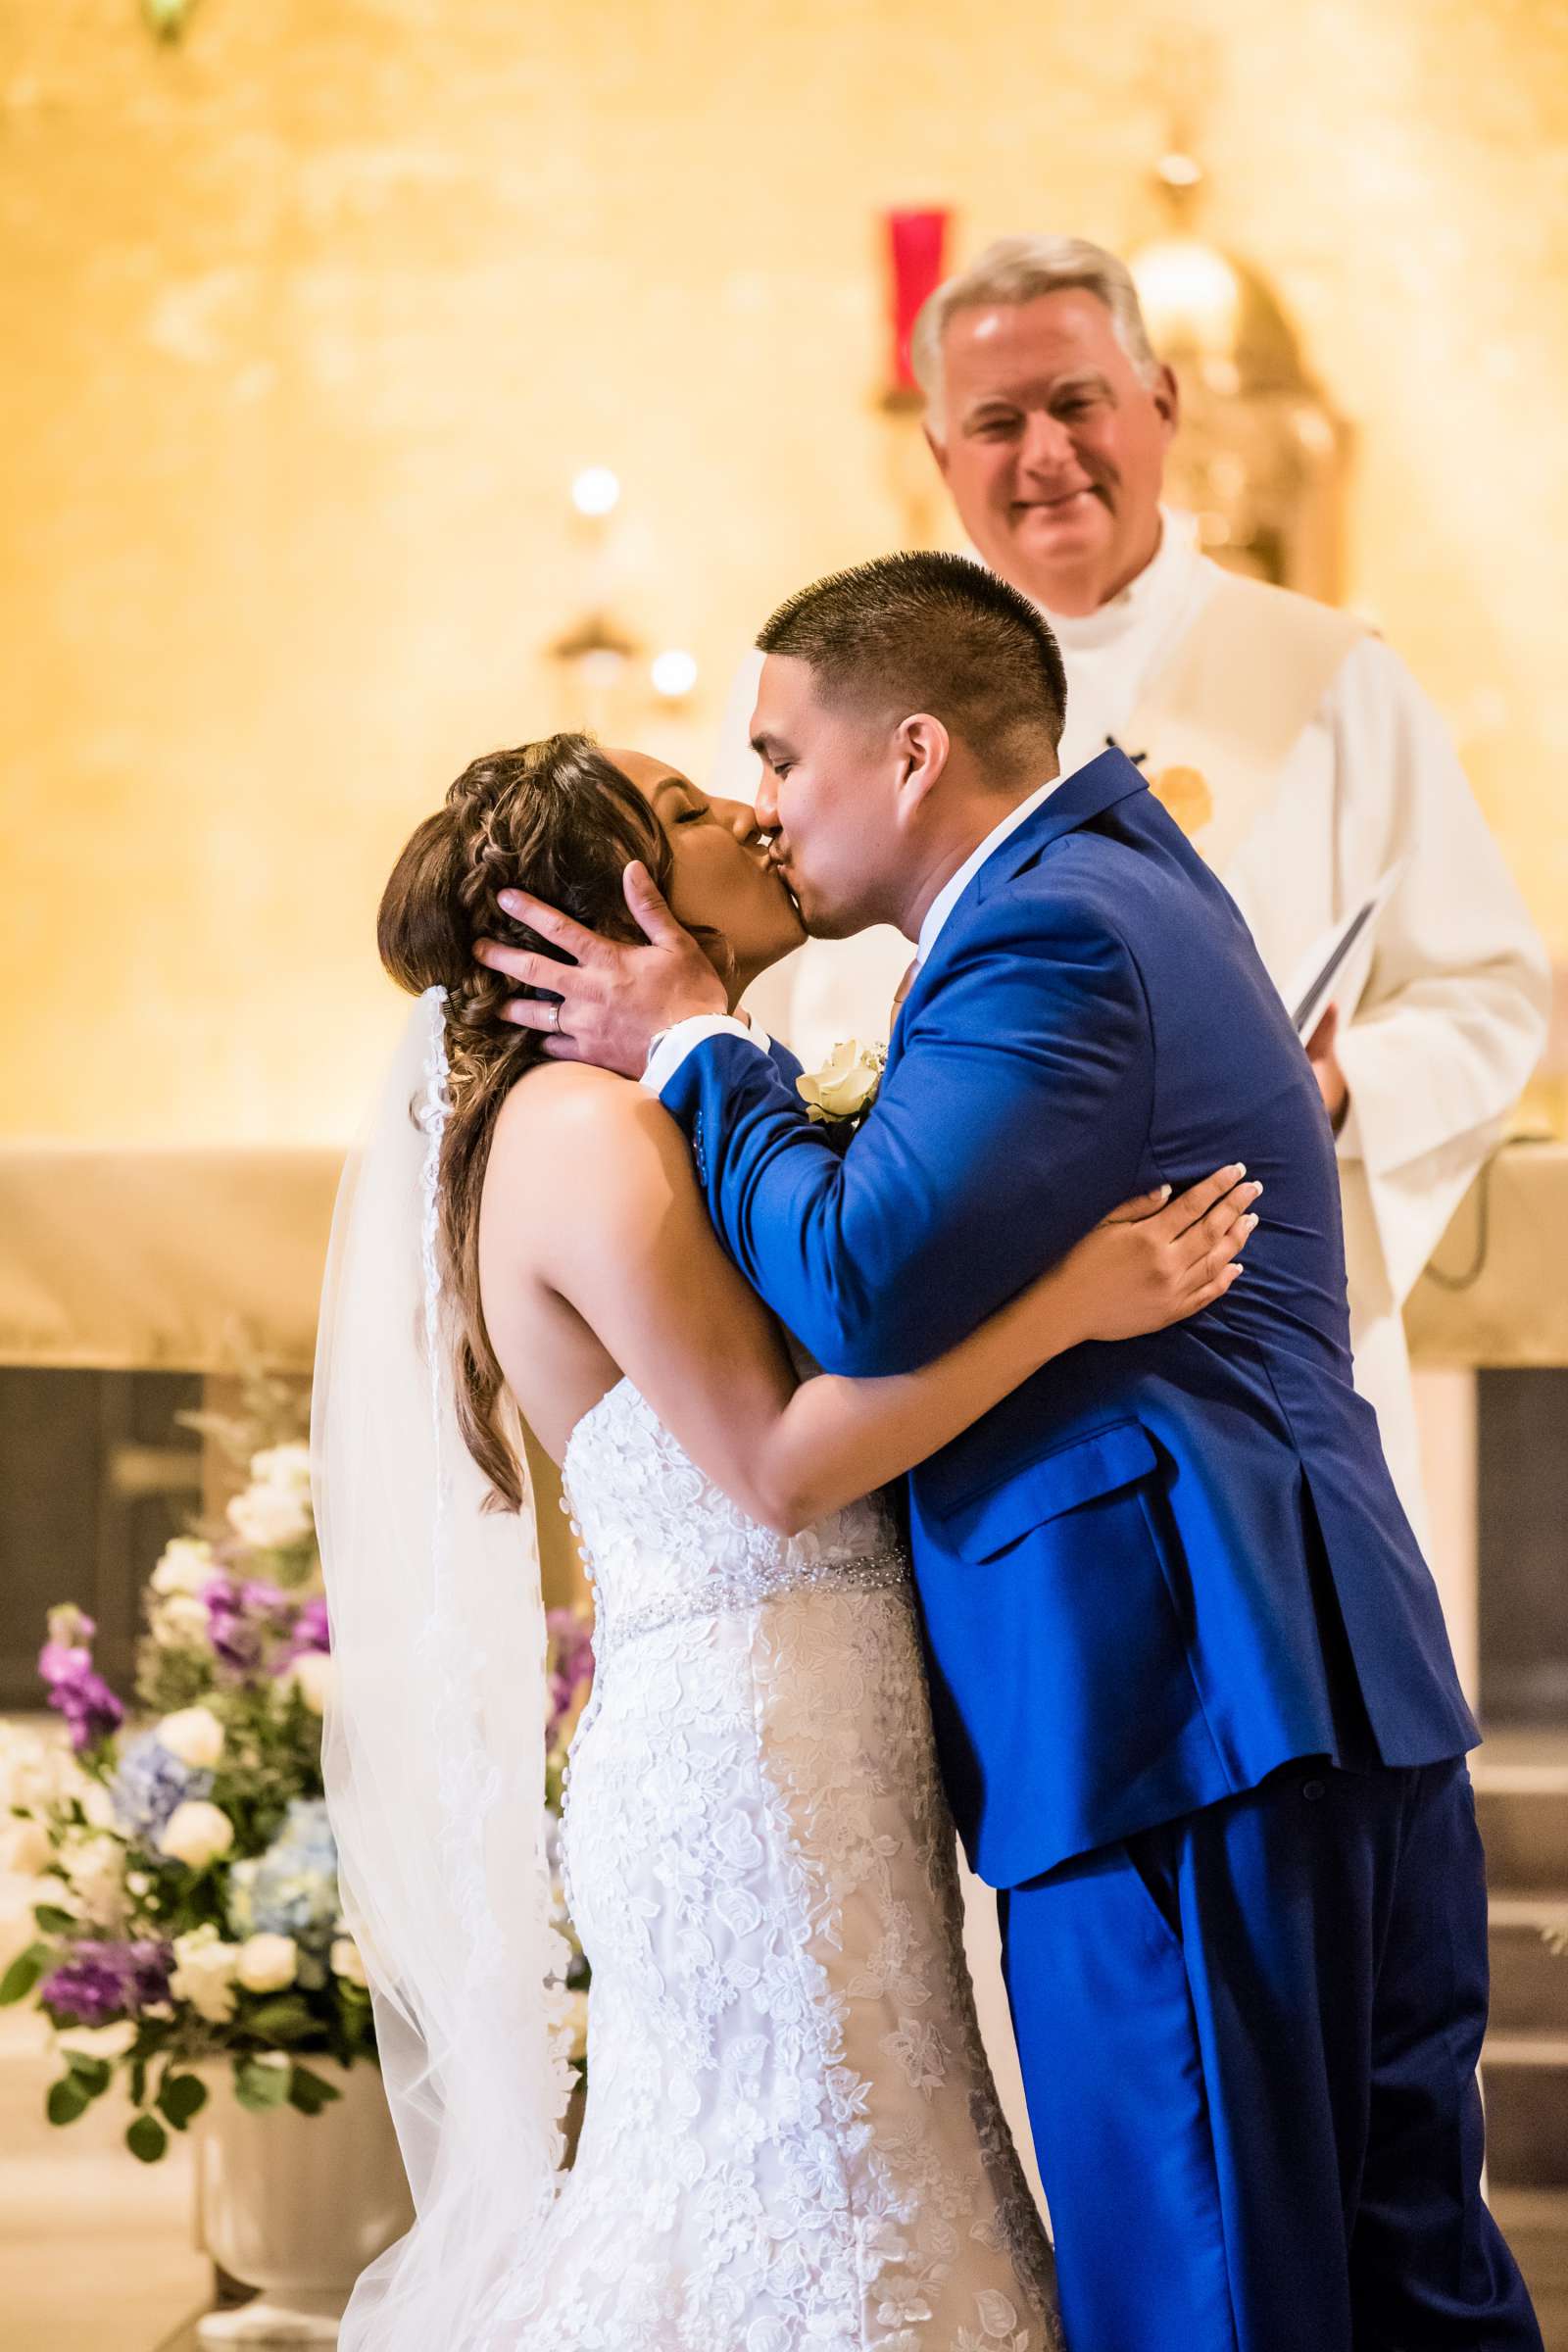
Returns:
(185,1866)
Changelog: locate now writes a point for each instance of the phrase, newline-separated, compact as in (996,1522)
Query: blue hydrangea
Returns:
(292,1888)
(148,1784)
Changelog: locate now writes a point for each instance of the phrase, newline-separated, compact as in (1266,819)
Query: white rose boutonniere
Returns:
(846,1087)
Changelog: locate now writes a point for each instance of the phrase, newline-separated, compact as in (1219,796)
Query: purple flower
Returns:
(102,1981)
(225,1620)
(76,1691)
(569,1663)
(243,1620)
(310,1631)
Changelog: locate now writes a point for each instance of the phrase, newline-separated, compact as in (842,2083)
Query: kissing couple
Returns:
(932,1468)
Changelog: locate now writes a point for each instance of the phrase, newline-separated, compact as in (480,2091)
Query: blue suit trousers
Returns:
(1250,2040)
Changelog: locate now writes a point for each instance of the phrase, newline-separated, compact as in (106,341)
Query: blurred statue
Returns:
(1261,460)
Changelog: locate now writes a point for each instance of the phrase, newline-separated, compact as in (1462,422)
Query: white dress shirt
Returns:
(947,897)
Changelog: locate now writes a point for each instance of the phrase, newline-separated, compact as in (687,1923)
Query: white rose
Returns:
(846,1083)
(33,1771)
(311,1675)
(98,2041)
(287,1466)
(194,1735)
(38,1772)
(99,1806)
(347,1962)
(95,1872)
(182,1623)
(204,1973)
(186,1566)
(28,1848)
(271,1518)
(267,1963)
(196,1833)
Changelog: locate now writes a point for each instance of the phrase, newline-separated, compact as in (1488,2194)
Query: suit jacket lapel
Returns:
(1087,794)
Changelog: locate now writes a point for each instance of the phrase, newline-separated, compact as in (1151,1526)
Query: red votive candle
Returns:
(917,245)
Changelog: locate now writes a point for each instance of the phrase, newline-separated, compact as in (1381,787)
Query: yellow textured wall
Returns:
(308,320)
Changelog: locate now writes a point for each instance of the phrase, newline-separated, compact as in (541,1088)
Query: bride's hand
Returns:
(1155,1262)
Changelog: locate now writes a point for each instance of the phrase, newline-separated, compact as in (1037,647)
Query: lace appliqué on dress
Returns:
(793,2144)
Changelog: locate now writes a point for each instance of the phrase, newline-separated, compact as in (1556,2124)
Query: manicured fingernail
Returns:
(509,901)
(1239,1171)
(1253,1191)
(1251,1223)
(1163,1193)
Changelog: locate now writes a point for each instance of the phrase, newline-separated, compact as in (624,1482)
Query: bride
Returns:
(791,2142)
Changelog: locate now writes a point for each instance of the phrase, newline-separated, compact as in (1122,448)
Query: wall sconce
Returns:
(593,655)
(673,674)
(596,492)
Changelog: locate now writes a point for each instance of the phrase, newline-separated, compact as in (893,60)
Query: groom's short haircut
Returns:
(922,631)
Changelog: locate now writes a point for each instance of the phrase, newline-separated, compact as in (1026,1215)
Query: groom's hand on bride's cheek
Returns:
(608,1003)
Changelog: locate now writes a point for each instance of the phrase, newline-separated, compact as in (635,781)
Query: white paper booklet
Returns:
(1312,986)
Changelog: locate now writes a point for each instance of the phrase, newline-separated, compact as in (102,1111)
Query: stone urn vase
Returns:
(296,2205)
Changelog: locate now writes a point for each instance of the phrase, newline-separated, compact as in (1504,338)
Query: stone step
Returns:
(1524,2080)
(1529,1973)
(1522,1807)
(1535,2221)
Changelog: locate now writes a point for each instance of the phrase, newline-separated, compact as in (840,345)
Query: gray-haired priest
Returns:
(1293,745)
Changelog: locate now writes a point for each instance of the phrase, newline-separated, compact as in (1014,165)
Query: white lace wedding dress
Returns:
(792,2142)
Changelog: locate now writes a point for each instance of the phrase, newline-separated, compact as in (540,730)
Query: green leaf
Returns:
(55,1921)
(93,2074)
(146,2138)
(281,2021)
(309,2093)
(23,1973)
(180,2096)
(261,2088)
(67,2100)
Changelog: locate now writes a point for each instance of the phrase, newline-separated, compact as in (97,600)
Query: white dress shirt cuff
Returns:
(671,1049)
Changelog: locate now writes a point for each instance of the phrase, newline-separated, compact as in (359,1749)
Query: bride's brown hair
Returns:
(560,819)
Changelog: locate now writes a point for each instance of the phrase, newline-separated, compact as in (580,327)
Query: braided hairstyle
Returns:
(560,819)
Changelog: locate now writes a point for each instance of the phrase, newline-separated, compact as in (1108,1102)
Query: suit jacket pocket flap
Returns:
(985,1523)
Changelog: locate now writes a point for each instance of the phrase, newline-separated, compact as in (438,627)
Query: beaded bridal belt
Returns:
(729,1591)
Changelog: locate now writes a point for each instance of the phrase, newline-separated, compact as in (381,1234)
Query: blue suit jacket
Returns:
(1164,1566)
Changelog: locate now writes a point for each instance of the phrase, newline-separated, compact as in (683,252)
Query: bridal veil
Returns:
(434,1745)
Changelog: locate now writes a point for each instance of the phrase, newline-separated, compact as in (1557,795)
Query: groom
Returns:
(1196,1707)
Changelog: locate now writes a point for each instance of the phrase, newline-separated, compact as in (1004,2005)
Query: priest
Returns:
(1286,738)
